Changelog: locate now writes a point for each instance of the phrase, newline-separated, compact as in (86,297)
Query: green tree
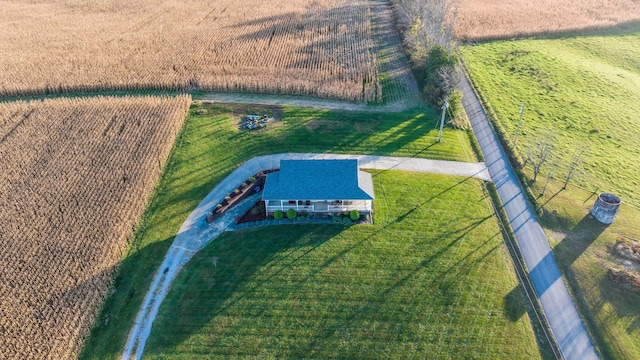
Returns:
(442,75)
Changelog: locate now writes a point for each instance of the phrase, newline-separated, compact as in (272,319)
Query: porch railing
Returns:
(311,208)
(285,207)
(339,208)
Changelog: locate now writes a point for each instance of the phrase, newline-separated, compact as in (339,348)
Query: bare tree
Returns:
(577,159)
(452,17)
(427,23)
(538,152)
(449,78)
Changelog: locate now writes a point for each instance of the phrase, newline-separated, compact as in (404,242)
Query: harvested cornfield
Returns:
(76,177)
(490,19)
(304,47)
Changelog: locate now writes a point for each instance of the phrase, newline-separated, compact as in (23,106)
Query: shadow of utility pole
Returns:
(578,240)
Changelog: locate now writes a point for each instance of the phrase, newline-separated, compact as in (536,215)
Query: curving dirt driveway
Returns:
(195,232)
(267,99)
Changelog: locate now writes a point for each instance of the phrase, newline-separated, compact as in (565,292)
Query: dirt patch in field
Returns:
(241,110)
(628,248)
(321,126)
(627,278)
(365,127)
(624,270)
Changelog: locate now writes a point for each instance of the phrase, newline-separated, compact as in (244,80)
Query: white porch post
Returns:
(281,206)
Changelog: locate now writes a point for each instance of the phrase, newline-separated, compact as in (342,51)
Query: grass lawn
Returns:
(584,249)
(582,90)
(211,146)
(430,279)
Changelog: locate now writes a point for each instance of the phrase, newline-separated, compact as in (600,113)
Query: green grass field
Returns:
(211,146)
(583,90)
(430,279)
(584,249)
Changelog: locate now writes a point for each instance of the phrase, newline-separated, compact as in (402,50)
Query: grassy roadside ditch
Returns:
(546,341)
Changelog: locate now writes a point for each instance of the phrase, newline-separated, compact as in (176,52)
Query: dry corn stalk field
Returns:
(487,19)
(76,177)
(302,47)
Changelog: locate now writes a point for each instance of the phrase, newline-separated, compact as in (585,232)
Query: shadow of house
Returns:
(225,274)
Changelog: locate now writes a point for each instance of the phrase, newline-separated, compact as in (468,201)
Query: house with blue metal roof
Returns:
(319,187)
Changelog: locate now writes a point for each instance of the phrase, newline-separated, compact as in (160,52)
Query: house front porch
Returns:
(318,207)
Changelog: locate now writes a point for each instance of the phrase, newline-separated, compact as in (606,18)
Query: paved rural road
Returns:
(195,232)
(558,305)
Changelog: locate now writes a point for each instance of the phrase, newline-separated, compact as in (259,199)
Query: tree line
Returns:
(427,27)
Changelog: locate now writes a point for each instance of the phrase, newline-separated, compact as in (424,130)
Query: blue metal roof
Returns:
(318,180)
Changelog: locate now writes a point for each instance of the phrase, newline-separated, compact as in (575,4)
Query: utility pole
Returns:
(444,109)
(515,136)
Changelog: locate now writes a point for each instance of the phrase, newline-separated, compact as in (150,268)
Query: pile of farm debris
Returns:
(252,122)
